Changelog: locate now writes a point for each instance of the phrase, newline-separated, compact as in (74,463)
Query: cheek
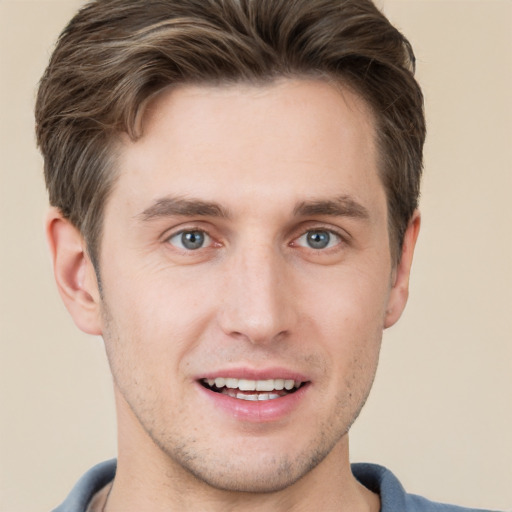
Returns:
(349,304)
(153,320)
(145,329)
(348,316)
(154,298)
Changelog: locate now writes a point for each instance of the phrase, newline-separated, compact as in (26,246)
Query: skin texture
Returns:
(276,162)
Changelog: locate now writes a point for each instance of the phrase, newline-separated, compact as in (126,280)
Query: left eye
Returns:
(319,239)
(190,240)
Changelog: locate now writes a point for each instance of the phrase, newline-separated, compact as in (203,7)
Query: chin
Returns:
(251,472)
(259,480)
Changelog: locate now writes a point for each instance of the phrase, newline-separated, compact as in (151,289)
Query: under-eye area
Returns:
(253,390)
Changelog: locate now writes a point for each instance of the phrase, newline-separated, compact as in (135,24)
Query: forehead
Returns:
(278,106)
(290,137)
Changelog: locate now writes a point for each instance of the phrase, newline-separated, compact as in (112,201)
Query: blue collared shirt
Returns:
(376,478)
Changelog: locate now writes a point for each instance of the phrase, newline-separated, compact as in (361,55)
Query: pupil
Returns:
(192,239)
(318,239)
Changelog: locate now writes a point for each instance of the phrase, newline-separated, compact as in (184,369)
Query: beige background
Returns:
(440,415)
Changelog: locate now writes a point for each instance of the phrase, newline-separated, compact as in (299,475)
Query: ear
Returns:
(74,272)
(400,289)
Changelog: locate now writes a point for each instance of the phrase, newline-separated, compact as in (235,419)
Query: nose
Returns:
(258,301)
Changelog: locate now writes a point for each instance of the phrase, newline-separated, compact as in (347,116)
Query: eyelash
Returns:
(210,241)
(191,230)
(339,239)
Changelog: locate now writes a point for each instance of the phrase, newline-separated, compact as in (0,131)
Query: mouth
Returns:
(252,390)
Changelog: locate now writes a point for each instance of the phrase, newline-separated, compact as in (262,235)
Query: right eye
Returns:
(319,239)
(190,240)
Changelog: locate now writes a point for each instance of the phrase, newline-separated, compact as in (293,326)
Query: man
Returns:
(234,188)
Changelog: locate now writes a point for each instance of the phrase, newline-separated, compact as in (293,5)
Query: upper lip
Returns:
(256,374)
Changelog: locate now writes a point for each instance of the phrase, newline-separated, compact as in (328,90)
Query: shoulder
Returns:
(420,504)
(392,494)
(89,484)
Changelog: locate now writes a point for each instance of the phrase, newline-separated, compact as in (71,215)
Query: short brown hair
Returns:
(115,55)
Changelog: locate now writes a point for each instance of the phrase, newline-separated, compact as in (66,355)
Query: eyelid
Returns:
(207,239)
(300,231)
(308,226)
(188,227)
(339,239)
(184,227)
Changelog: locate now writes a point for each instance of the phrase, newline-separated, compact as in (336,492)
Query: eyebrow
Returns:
(179,206)
(342,206)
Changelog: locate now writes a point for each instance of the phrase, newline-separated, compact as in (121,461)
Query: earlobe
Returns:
(74,272)
(400,289)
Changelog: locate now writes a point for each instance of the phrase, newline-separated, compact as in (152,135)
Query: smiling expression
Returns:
(246,280)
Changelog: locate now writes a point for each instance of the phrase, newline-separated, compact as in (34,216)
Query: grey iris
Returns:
(318,239)
(192,239)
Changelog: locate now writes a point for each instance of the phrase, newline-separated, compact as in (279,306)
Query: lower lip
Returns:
(262,411)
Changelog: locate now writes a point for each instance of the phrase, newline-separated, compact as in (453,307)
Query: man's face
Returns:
(245,245)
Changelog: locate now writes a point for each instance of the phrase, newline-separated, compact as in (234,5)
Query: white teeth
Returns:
(253,398)
(253,385)
(231,383)
(265,385)
(220,382)
(246,385)
(279,384)
(268,396)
